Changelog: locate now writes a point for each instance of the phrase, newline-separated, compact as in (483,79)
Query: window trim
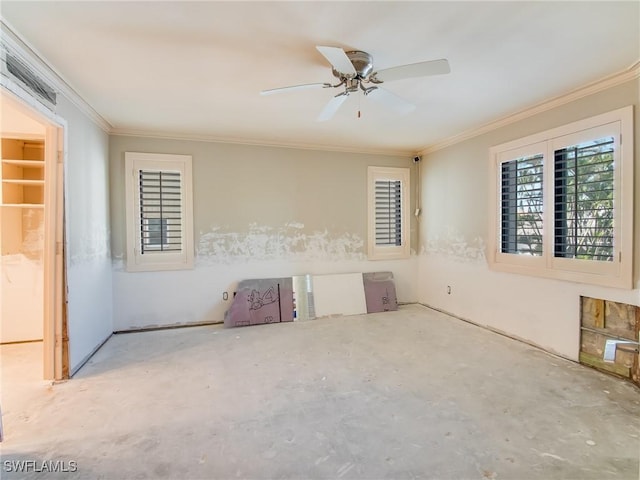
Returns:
(167,260)
(388,252)
(618,273)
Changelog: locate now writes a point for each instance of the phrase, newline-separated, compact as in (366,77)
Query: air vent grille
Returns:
(15,69)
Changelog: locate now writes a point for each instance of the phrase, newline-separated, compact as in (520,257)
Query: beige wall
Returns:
(283,211)
(455,228)
(236,186)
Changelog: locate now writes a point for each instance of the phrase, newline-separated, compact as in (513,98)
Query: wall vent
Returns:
(15,69)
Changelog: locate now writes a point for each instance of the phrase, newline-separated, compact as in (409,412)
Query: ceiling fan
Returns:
(354,71)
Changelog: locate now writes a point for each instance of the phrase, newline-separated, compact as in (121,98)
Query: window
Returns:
(522,205)
(584,200)
(563,202)
(159,212)
(388,213)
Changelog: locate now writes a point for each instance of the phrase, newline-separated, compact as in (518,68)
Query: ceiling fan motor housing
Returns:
(362,62)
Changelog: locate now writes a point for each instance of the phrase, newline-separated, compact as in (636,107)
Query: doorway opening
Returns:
(33,340)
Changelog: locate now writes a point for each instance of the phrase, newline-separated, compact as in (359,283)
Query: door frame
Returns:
(55,338)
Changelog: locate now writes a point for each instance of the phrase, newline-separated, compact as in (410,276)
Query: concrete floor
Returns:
(408,394)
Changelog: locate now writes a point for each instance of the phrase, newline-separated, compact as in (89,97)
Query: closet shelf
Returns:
(22,205)
(22,181)
(25,163)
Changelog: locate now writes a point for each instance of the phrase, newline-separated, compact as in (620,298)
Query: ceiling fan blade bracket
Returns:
(367,90)
(373,79)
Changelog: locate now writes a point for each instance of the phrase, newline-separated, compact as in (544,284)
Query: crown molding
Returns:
(31,57)
(128,132)
(605,83)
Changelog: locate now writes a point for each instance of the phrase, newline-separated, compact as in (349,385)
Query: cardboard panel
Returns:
(259,301)
(380,292)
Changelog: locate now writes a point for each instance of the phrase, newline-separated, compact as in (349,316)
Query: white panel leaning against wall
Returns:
(159,203)
(562,202)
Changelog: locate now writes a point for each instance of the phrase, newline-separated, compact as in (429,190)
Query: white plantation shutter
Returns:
(160,196)
(564,202)
(584,200)
(388,213)
(522,205)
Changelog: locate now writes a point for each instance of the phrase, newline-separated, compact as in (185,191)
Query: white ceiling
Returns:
(195,69)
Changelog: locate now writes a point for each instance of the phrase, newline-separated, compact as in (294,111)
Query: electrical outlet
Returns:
(225,296)
(448,289)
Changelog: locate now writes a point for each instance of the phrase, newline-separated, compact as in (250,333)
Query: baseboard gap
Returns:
(166,327)
(87,358)
(20,342)
(501,332)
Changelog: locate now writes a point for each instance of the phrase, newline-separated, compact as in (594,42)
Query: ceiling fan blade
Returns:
(305,86)
(391,101)
(338,59)
(420,69)
(332,107)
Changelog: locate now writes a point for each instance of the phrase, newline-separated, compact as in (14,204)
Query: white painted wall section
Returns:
(88,254)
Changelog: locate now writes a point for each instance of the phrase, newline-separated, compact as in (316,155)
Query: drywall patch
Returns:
(33,233)
(453,244)
(92,245)
(117,263)
(290,241)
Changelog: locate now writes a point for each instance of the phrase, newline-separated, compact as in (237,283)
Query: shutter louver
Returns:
(388,212)
(160,211)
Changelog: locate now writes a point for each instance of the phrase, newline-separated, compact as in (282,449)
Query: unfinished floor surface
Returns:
(406,394)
